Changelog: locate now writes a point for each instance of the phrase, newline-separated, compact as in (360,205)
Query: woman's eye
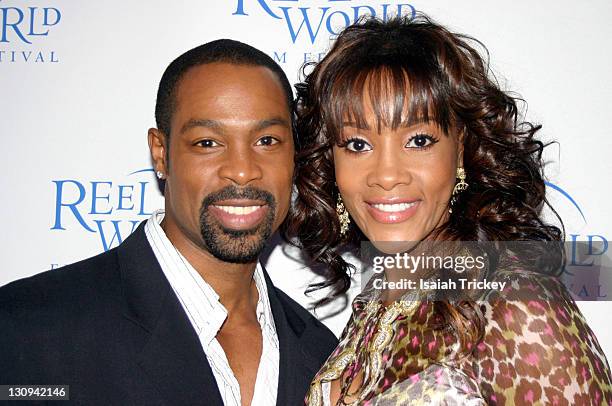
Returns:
(421,141)
(267,141)
(207,143)
(357,145)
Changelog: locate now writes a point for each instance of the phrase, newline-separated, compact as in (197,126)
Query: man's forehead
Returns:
(223,95)
(231,83)
(224,74)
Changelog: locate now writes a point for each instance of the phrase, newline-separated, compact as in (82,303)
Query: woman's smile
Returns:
(391,211)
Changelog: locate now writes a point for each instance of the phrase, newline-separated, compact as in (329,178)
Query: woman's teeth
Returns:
(391,208)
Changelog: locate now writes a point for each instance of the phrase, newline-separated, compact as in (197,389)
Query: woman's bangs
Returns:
(397,97)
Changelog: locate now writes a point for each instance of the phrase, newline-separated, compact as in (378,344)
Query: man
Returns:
(182,313)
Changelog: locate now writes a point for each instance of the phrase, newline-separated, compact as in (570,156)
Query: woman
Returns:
(405,138)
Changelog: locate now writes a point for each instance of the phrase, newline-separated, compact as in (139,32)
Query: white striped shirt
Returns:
(207,314)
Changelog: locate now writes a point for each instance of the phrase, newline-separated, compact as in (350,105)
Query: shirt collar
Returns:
(198,298)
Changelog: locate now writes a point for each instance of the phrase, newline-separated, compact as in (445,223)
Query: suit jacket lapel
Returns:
(170,352)
(297,367)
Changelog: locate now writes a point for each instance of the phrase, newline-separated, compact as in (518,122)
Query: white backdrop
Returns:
(78,83)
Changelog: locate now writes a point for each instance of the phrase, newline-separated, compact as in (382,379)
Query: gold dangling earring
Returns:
(343,216)
(459,187)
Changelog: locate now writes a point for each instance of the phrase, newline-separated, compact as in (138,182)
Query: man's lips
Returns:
(239,214)
(392,210)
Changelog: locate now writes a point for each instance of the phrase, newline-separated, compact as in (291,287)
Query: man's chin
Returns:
(236,256)
(235,246)
(239,233)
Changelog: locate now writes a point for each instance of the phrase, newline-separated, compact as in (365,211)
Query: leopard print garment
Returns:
(537,350)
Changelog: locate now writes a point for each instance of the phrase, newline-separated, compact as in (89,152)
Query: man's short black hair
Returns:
(222,50)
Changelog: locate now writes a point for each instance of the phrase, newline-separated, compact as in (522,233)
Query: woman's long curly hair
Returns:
(413,70)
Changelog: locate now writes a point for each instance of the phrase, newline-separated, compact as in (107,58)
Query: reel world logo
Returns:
(331,19)
(308,23)
(586,275)
(108,209)
(23,27)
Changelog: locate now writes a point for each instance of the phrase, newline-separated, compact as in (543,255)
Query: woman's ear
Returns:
(460,143)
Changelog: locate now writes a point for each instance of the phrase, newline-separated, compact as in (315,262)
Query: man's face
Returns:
(230,163)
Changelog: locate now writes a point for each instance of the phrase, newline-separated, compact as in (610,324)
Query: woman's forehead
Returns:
(391,95)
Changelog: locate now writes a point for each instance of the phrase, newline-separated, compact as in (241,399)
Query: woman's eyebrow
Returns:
(403,124)
(355,125)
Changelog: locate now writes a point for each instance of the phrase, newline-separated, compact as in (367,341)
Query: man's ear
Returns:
(158,147)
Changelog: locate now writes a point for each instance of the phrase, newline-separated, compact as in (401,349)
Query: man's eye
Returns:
(207,143)
(357,145)
(267,141)
(421,141)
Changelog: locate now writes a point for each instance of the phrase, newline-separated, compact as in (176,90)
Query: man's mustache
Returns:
(232,192)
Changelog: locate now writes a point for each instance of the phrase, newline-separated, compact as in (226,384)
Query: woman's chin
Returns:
(393,246)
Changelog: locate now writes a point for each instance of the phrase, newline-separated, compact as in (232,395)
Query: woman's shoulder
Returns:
(537,345)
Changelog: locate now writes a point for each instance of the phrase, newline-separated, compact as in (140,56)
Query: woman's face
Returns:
(396,184)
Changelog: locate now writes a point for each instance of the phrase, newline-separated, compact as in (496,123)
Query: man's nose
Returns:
(240,166)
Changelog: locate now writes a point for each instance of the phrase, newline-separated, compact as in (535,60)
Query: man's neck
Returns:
(233,282)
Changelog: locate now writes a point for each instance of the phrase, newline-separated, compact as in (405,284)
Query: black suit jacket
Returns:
(112,328)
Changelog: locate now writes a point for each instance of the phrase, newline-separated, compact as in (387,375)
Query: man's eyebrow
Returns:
(212,124)
(218,127)
(263,124)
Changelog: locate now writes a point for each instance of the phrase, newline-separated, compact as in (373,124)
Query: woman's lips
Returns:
(239,215)
(390,213)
